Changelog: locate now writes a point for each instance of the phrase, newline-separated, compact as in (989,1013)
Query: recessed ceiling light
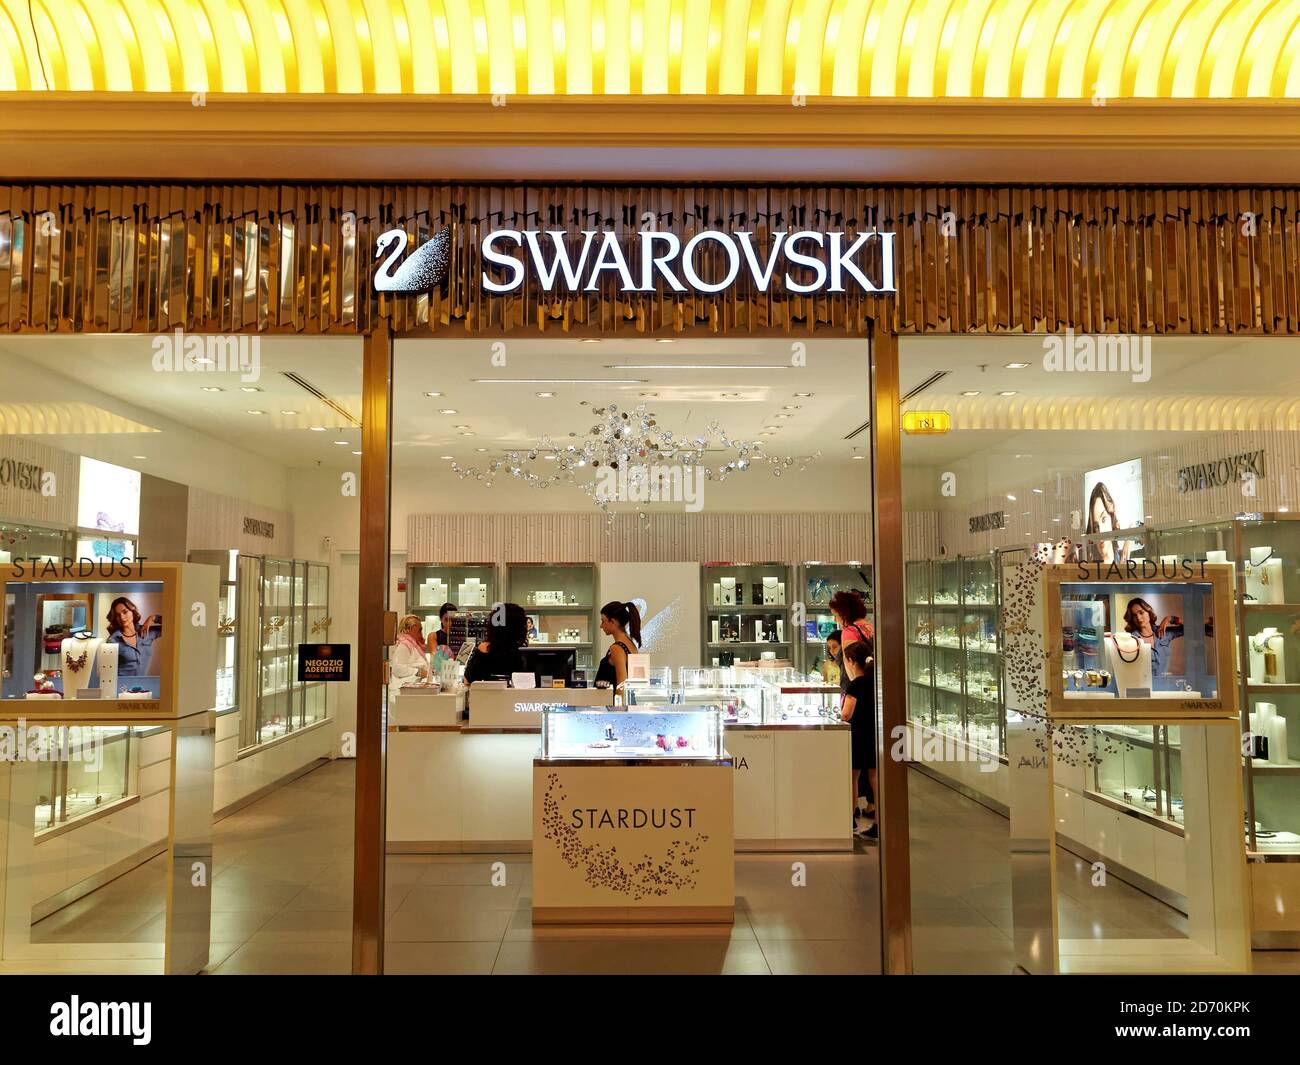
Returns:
(256,412)
(480,449)
(356,452)
(213,388)
(1038,491)
(696,366)
(1012,498)
(792,406)
(288,412)
(649,395)
(768,433)
(1006,393)
(345,443)
(729,395)
(771,428)
(591,340)
(462,427)
(784,415)
(976,393)
(145,458)
(318,428)
(665,340)
(858,458)
(1284,510)
(466,434)
(558,381)
(1016,365)
(446,456)
(1056,519)
(545,395)
(448,410)
(433,395)
(249,388)
(803,395)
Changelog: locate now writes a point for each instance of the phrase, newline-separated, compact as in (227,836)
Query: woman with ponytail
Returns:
(622,623)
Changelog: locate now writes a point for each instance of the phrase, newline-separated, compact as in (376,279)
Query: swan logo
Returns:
(425,269)
(822,262)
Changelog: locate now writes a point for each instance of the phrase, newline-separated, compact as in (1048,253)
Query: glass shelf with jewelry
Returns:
(745,609)
(685,731)
(88,771)
(791,698)
(738,693)
(820,581)
(1264,549)
(1135,766)
(920,642)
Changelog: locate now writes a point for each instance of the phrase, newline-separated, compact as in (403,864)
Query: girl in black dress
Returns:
(859,710)
(622,623)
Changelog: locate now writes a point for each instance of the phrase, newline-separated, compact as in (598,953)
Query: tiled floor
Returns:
(282,897)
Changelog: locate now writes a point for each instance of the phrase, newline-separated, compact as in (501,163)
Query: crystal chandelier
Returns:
(630,444)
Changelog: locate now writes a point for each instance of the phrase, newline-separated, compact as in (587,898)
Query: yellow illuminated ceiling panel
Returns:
(921,49)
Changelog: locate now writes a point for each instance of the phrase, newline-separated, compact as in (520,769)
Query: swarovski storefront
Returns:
(725,406)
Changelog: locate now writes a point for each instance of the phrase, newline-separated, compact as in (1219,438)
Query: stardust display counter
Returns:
(632,817)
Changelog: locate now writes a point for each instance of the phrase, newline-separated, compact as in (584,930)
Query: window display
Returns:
(1139,632)
(686,731)
(87,640)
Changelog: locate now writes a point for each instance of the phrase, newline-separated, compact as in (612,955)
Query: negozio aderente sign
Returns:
(711,260)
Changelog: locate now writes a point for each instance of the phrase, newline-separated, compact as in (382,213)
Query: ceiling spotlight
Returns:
(768,433)
(665,340)
(433,395)
(792,406)
(976,393)
(1012,498)
(446,456)
(591,340)
(729,395)
(1016,365)
(344,443)
(145,458)
(545,395)
(783,415)
(1038,491)
(213,388)
(318,428)
(646,395)
(466,434)
(803,395)
(249,388)
(462,427)
(356,452)
(480,449)
(448,410)
(1011,393)
(288,412)
(257,412)
(858,458)
(1056,519)
(771,428)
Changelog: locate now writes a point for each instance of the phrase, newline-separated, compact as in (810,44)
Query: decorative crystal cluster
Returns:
(630,440)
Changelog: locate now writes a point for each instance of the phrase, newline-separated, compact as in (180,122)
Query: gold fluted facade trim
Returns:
(970,49)
(298,258)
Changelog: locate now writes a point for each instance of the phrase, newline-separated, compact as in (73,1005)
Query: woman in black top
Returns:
(498,656)
(439,636)
(859,710)
(621,622)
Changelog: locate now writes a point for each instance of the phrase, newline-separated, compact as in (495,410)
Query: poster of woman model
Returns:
(1112,499)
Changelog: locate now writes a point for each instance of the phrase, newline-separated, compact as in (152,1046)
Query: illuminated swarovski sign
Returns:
(710,261)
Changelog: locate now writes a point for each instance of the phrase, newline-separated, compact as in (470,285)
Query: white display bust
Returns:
(1130,662)
(77,659)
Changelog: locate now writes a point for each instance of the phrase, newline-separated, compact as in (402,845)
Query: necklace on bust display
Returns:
(1137,650)
(76,664)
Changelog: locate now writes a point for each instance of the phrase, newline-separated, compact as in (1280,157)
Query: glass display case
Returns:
(1137,766)
(561,604)
(275,604)
(746,610)
(33,541)
(685,731)
(818,582)
(737,693)
(790,698)
(227,563)
(1265,552)
(90,771)
(954,648)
